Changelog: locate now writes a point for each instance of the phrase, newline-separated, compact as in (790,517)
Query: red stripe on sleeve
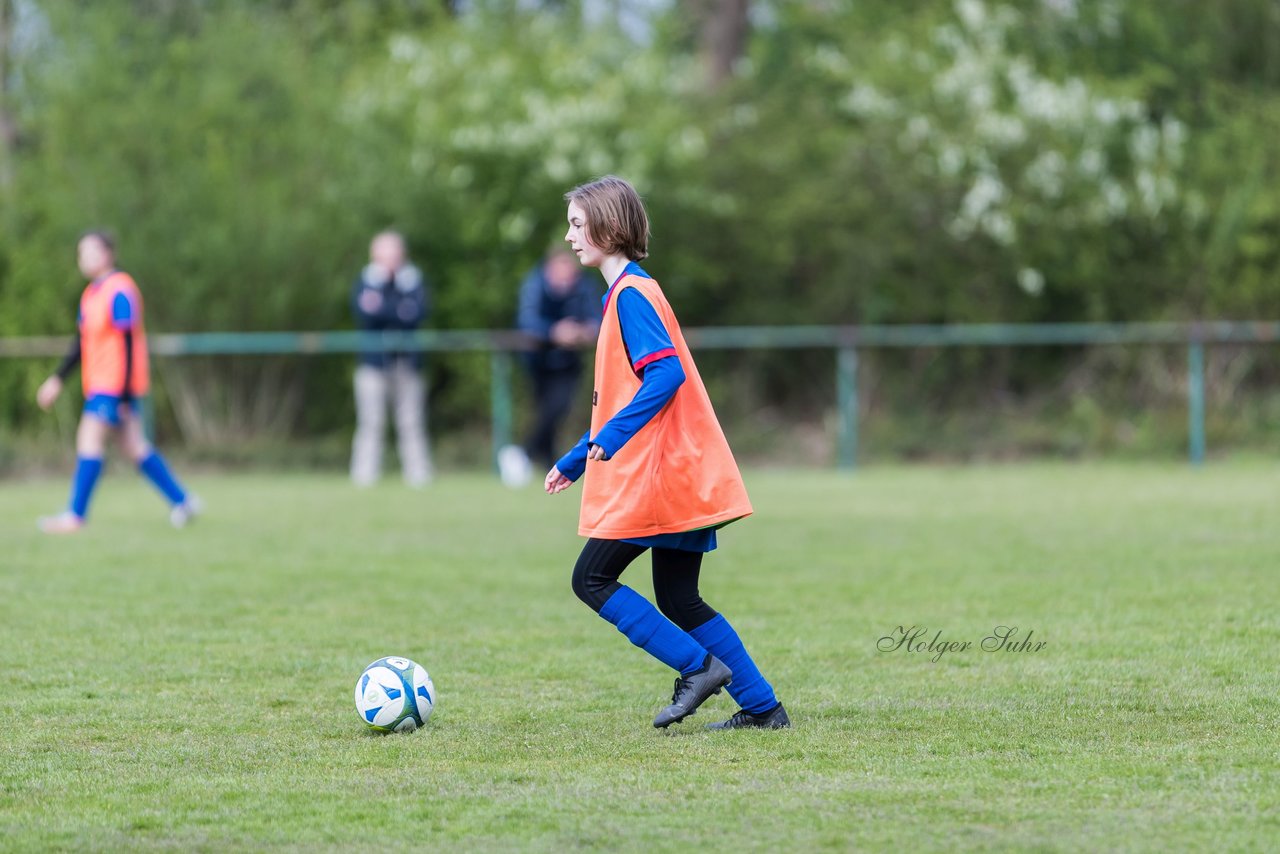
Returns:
(653,357)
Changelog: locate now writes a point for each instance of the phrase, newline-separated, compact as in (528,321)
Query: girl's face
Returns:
(93,257)
(588,253)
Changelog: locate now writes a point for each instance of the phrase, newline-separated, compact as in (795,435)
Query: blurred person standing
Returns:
(390,294)
(560,310)
(110,347)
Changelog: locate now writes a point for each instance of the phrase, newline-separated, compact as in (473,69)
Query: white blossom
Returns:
(866,101)
(1031,281)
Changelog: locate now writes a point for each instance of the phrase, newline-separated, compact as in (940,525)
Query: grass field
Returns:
(192,689)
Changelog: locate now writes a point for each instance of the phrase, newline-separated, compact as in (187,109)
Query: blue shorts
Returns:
(106,407)
(701,540)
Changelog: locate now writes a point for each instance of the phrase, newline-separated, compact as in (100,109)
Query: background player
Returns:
(111,347)
(560,312)
(659,474)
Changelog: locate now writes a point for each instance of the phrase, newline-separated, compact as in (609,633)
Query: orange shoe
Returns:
(64,523)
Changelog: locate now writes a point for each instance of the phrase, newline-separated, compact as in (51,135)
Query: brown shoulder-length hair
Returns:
(101,235)
(616,221)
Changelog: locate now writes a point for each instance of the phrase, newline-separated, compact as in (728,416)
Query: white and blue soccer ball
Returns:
(395,695)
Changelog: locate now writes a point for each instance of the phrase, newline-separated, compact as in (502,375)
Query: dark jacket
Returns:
(403,303)
(540,309)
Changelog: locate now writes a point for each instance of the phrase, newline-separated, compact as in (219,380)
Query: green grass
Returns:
(192,689)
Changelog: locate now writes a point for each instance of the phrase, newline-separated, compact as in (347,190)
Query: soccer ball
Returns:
(394,695)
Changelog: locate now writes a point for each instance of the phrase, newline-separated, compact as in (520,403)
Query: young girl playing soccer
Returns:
(111,347)
(659,473)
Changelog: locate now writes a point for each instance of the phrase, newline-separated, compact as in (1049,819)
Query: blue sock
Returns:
(748,688)
(86,477)
(642,623)
(153,468)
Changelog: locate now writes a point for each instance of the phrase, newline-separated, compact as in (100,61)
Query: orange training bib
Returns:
(677,474)
(102,356)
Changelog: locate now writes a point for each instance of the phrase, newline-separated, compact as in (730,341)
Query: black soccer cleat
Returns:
(775,718)
(693,690)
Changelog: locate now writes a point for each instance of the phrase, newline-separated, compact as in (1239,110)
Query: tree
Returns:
(8,123)
(724,32)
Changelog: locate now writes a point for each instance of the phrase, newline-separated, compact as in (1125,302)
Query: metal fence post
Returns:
(1195,402)
(500,400)
(846,408)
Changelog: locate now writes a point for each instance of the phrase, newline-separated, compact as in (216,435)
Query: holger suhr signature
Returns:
(916,639)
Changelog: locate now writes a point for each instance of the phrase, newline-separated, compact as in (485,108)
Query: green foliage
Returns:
(932,161)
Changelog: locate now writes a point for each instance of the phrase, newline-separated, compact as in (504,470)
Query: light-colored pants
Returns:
(405,389)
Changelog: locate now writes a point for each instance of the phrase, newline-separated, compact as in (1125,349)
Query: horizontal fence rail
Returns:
(844,340)
(707,337)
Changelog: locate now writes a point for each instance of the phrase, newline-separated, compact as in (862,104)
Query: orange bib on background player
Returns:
(677,473)
(102,357)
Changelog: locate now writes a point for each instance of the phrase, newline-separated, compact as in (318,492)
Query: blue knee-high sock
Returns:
(642,623)
(82,483)
(154,469)
(748,688)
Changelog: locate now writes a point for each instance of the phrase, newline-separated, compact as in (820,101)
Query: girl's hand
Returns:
(595,452)
(48,392)
(556,482)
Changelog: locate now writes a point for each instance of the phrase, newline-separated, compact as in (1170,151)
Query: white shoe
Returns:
(63,523)
(513,466)
(419,478)
(182,514)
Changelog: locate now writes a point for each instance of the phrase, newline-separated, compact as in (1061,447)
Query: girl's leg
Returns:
(151,465)
(91,437)
(91,443)
(595,575)
(595,581)
(675,585)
